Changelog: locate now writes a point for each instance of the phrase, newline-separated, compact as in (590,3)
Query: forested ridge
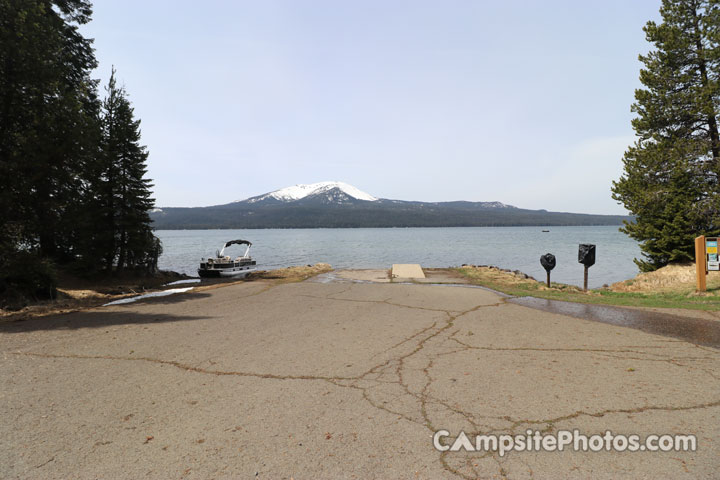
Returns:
(382,213)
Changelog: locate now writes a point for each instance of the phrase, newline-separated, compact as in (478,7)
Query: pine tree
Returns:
(47,114)
(670,183)
(122,193)
(48,131)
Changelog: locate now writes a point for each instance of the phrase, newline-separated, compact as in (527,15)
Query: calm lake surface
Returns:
(516,248)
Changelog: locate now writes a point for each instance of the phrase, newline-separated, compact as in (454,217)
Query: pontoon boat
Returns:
(224,266)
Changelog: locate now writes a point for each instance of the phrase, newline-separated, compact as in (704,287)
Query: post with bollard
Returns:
(548,263)
(586,256)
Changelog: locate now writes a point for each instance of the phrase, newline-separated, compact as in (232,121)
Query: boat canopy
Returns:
(235,242)
(238,242)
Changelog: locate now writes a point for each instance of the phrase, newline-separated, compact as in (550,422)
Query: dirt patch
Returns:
(678,278)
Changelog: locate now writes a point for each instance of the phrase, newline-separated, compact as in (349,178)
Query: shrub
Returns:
(25,276)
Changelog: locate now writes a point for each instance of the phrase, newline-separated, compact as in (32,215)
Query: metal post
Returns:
(700,263)
(548,278)
(586,256)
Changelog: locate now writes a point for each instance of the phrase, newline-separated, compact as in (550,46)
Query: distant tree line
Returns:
(671,181)
(73,191)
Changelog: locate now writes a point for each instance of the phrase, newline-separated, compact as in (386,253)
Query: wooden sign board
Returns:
(711,254)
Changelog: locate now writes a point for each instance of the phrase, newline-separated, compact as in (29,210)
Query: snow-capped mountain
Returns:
(339,205)
(324,192)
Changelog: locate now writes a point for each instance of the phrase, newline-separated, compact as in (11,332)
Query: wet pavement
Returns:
(700,331)
(695,330)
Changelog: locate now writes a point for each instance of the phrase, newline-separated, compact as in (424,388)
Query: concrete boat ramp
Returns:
(409,271)
(345,377)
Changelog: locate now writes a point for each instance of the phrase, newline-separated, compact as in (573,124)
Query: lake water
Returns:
(516,248)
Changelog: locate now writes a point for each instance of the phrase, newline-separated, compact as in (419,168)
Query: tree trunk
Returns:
(123,250)
(711,114)
(110,209)
(46,234)
(712,121)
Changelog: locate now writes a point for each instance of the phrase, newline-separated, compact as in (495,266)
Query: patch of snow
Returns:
(180,282)
(297,192)
(163,293)
(497,205)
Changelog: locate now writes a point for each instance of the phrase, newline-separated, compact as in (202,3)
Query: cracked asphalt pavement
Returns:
(342,380)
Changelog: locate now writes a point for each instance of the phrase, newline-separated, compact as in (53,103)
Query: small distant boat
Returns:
(545,231)
(224,266)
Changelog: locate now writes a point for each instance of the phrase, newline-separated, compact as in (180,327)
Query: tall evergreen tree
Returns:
(48,112)
(72,185)
(671,177)
(123,196)
(48,131)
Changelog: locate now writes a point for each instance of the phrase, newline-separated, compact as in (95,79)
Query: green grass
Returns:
(568,293)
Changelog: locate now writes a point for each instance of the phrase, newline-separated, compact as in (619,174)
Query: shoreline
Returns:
(539,225)
(371,248)
(99,293)
(638,292)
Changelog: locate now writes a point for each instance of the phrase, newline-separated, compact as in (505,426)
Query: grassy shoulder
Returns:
(672,287)
(291,274)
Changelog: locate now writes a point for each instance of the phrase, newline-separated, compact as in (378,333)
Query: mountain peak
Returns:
(298,192)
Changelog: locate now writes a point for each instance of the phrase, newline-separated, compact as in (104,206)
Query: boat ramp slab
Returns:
(407,270)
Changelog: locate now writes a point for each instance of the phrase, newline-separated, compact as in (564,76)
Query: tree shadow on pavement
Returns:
(92,319)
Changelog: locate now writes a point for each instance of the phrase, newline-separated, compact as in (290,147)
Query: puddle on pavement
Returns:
(329,277)
(695,330)
(333,277)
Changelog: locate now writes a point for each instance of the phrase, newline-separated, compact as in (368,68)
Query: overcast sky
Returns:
(523,102)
